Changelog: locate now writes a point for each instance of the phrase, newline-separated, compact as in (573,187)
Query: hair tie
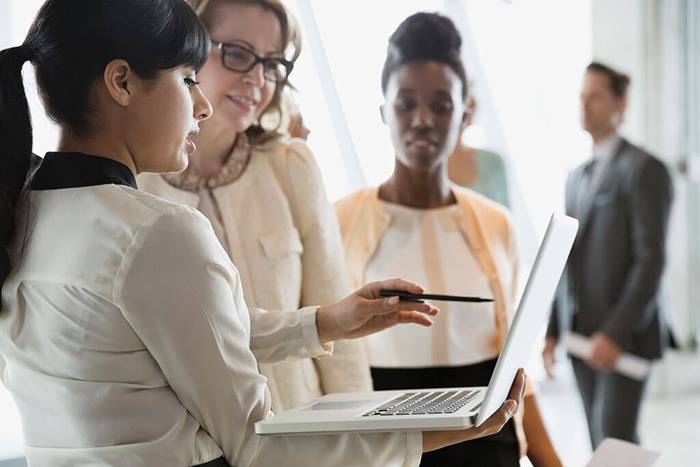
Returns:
(23,53)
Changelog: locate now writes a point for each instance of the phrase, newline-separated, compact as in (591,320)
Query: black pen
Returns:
(411,297)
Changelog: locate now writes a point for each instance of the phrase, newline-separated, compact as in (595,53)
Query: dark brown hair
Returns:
(619,82)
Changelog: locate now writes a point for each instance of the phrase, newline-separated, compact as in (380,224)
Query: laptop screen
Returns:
(532,310)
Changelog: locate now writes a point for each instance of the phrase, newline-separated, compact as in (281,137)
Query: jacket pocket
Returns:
(276,245)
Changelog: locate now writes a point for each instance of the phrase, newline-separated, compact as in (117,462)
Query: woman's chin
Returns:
(179,163)
(183,163)
(236,121)
(422,161)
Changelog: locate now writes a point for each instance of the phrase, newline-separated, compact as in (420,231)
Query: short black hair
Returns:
(619,82)
(425,37)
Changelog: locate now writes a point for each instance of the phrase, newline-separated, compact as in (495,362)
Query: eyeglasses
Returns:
(241,59)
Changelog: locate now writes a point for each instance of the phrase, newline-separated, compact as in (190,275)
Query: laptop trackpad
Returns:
(340,405)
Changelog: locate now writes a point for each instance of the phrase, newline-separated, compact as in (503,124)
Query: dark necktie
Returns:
(585,188)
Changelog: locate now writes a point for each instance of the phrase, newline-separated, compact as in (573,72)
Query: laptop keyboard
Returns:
(422,403)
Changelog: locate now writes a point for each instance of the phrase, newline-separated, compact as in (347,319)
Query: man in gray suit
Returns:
(622,197)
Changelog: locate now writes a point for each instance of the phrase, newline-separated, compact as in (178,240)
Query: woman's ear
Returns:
(470,109)
(118,80)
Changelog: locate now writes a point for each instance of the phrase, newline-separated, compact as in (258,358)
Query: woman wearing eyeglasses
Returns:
(263,192)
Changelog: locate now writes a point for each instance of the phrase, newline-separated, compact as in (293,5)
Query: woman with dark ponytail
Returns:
(124,336)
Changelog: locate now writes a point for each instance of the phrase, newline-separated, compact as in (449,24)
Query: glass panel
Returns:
(355,35)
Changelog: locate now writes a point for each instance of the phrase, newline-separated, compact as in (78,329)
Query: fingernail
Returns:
(511,405)
(393,300)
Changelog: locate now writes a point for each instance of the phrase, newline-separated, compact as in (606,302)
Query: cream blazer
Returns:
(282,234)
(487,228)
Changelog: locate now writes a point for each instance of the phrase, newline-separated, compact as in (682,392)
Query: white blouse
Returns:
(127,341)
(427,246)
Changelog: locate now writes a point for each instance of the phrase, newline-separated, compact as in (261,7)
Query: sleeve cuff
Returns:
(310,331)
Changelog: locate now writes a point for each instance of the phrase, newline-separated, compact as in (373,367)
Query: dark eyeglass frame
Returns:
(224,46)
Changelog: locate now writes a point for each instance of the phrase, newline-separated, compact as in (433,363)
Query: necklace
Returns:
(233,168)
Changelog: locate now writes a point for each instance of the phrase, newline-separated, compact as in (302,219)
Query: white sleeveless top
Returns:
(426,246)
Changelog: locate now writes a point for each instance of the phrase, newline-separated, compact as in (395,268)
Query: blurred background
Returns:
(525,60)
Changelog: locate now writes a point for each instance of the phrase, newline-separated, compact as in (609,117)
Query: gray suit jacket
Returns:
(611,282)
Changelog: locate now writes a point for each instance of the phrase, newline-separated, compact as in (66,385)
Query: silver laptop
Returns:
(449,408)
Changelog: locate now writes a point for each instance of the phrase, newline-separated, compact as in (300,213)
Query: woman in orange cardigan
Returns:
(419,225)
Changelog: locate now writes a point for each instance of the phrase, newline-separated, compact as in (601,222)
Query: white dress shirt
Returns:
(127,340)
(428,247)
(603,153)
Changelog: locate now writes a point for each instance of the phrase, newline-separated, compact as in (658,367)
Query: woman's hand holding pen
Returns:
(366,312)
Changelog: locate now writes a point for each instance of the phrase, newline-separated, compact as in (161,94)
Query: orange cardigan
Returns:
(487,228)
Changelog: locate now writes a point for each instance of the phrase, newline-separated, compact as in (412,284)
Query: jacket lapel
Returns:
(572,186)
(609,178)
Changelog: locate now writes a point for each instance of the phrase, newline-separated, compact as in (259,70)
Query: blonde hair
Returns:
(289,108)
(291,47)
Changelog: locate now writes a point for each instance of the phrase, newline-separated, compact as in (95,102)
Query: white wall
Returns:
(5,29)
(619,40)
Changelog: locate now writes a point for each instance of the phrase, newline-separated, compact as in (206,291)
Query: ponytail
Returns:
(16,149)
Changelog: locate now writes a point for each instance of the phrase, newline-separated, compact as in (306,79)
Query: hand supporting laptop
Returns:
(366,311)
(446,416)
(433,440)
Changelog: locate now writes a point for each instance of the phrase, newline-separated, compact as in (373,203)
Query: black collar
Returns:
(73,169)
